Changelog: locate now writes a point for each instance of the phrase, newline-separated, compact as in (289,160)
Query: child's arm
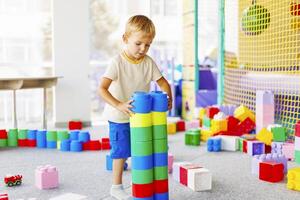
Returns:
(164,86)
(106,95)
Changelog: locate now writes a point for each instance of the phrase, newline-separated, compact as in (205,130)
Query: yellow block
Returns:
(205,134)
(202,112)
(141,120)
(159,118)
(293,176)
(265,136)
(242,112)
(218,125)
(171,128)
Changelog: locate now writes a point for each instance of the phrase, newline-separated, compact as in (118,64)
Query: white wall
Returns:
(71,60)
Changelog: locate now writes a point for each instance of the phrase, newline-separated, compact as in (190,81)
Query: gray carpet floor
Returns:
(84,174)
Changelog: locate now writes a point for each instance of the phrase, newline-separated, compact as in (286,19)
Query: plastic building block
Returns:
(279,134)
(242,112)
(255,148)
(265,136)
(161,186)
(3,134)
(13,180)
(232,123)
(184,172)
(180,125)
(211,111)
(193,124)
(214,144)
(199,179)
(94,145)
(170,163)
(219,125)
(206,122)
(76,146)
(65,145)
(229,143)
(293,176)
(75,125)
(288,150)
(271,171)
(46,177)
(142,190)
(246,126)
(3,196)
(277,147)
(205,134)
(176,169)
(192,137)
(297,129)
(105,145)
(171,128)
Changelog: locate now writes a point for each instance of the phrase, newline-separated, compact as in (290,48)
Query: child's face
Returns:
(137,44)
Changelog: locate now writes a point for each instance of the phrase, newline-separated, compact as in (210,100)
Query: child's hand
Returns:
(170,103)
(125,107)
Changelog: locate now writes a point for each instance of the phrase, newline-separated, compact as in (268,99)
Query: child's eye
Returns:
(138,43)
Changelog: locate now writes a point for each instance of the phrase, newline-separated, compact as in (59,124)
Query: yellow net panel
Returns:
(268,57)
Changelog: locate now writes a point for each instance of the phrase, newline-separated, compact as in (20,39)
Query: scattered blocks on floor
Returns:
(214,144)
(265,136)
(192,137)
(229,143)
(176,170)
(75,125)
(199,179)
(255,147)
(279,134)
(170,162)
(184,172)
(271,172)
(293,179)
(3,196)
(288,150)
(180,125)
(46,177)
(242,112)
(171,128)
(105,145)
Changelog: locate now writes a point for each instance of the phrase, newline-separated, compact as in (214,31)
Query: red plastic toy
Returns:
(11,180)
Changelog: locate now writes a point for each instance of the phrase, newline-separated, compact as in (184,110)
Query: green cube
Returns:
(240,140)
(206,122)
(192,137)
(279,134)
(297,156)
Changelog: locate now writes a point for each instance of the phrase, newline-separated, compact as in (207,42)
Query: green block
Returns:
(160,132)
(240,141)
(160,146)
(51,136)
(3,142)
(206,122)
(22,134)
(12,138)
(62,135)
(142,176)
(192,137)
(140,134)
(297,157)
(279,134)
(141,148)
(161,173)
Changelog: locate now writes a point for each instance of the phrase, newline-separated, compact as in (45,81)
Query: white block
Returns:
(297,143)
(199,179)
(229,143)
(176,169)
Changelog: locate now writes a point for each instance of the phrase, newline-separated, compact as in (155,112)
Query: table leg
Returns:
(45,109)
(15,123)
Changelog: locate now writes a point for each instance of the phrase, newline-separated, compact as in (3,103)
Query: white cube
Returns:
(229,143)
(199,179)
(176,169)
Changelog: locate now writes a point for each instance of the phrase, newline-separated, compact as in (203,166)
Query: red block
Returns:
(161,186)
(268,148)
(246,126)
(31,143)
(142,190)
(245,146)
(184,172)
(75,125)
(3,196)
(211,111)
(271,171)
(3,134)
(297,129)
(180,125)
(232,123)
(86,146)
(105,146)
(22,142)
(94,145)
(104,139)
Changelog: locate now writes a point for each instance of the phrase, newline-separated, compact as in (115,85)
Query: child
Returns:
(130,71)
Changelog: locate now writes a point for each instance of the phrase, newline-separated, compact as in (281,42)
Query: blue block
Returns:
(160,159)
(84,136)
(258,149)
(76,146)
(109,163)
(74,135)
(41,141)
(51,144)
(142,162)
(214,144)
(31,134)
(161,196)
(146,198)
(159,101)
(65,145)
(141,102)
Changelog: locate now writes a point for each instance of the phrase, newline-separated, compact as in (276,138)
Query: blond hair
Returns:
(140,23)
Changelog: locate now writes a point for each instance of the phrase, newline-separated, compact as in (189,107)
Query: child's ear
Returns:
(124,37)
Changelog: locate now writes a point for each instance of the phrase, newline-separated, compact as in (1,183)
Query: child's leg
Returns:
(118,166)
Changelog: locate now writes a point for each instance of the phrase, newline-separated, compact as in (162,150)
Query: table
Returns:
(17,83)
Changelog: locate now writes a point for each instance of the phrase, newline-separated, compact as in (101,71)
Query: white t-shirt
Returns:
(128,78)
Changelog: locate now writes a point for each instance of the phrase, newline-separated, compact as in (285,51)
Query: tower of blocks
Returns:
(297,142)
(149,146)
(265,109)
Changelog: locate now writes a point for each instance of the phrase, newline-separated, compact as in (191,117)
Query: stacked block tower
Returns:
(149,149)
(265,109)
